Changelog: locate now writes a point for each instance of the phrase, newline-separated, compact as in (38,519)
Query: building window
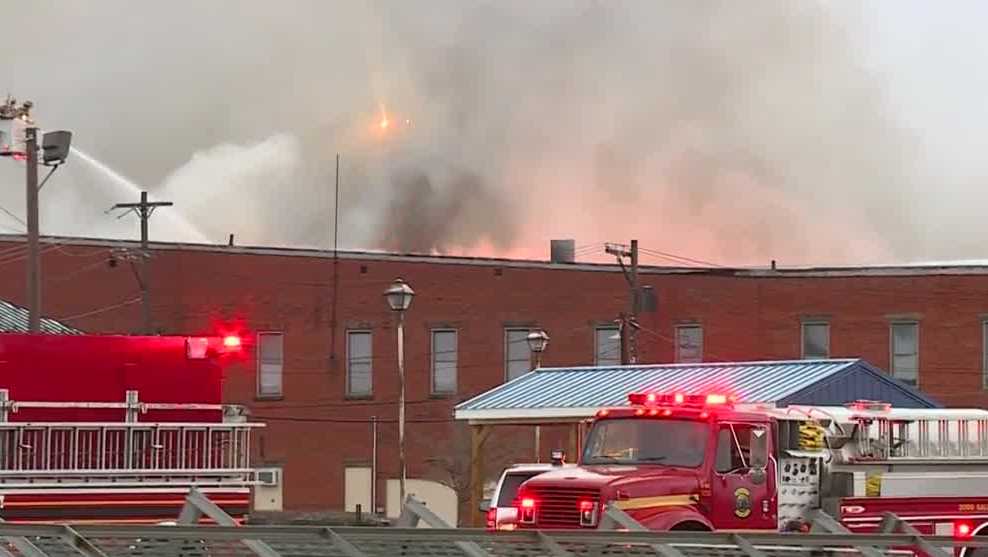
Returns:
(443,362)
(607,346)
(689,344)
(270,364)
(816,341)
(517,356)
(358,364)
(905,352)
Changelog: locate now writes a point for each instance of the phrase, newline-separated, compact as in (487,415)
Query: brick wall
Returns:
(314,431)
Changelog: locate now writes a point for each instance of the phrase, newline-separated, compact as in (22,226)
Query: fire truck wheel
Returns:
(690,526)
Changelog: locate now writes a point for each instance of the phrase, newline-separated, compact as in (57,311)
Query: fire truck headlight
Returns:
(527,511)
(588,513)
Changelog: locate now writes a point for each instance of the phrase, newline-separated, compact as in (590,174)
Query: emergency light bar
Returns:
(680,399)
(870,406)
(200,348)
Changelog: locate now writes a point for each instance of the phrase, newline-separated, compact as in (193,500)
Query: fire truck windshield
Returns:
(679,443)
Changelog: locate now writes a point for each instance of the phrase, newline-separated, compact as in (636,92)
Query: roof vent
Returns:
(562,251)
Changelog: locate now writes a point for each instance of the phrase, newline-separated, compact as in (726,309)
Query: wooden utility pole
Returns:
(33,233)
(629,321)
(144,210)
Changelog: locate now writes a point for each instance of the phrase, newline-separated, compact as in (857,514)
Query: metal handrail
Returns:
(519,542)
(132,404)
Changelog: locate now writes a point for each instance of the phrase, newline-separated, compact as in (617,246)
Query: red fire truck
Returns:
(118,429)
(702,462)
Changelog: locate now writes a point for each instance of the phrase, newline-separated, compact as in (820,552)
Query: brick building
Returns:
(322,387)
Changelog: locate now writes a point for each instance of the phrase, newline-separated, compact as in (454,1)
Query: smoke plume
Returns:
(720,130)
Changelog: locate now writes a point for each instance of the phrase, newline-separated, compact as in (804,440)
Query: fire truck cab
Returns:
(704,462)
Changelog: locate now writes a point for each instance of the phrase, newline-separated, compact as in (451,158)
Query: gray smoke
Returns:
(732,131)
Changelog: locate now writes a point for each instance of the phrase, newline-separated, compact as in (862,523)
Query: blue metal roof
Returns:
(14,319)
(576,392)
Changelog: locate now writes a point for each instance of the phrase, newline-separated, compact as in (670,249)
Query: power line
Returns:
(101,310)
(13,216)
(353,420)
(674,257)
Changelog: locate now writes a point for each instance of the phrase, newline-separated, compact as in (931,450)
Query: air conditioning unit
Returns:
(269,477)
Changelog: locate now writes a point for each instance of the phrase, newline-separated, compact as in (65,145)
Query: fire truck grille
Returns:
(560,507)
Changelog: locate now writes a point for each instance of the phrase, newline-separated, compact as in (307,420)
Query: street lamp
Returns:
(537,342)
(399,297)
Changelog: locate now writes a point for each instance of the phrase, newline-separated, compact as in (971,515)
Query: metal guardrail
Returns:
(202,541)
(227,540)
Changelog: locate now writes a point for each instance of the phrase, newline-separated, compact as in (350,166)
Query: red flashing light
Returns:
(640,412)
(653,412)
(667,412)
(603,412)
(680,399)
(715,399)
(963,529)
(588,513)
(231,341)
(528,503)
(870,406)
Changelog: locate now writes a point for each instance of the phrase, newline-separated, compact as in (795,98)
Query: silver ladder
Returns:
(922,439)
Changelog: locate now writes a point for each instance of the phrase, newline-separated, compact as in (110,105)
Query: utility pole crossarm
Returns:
(144,210)
(149,204)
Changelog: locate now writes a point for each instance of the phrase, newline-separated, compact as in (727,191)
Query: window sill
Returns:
(442,396)
(358,397)
(269,398)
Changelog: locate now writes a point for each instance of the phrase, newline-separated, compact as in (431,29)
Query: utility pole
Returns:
(33,233)
(629,322)
(336,266)
(144,210)
(17,130)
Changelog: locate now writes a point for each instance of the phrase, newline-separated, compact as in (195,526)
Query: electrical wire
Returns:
(681,258)
(13,216)
(353,420)
(100,310)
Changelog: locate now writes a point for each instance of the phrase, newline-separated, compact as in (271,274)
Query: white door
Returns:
(357,488)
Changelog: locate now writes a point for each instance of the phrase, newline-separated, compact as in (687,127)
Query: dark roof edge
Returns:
(860,364)
(369,255)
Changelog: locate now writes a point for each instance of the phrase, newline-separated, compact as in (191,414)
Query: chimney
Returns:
(562,251)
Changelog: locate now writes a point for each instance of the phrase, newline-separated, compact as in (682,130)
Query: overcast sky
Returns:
(808,132)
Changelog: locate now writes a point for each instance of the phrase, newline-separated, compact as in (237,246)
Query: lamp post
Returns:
(399,297)
(537,343)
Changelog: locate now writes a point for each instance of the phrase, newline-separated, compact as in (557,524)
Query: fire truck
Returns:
(677,461)
(117,429)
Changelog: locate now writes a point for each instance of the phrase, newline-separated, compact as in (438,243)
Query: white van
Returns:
(501,514)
